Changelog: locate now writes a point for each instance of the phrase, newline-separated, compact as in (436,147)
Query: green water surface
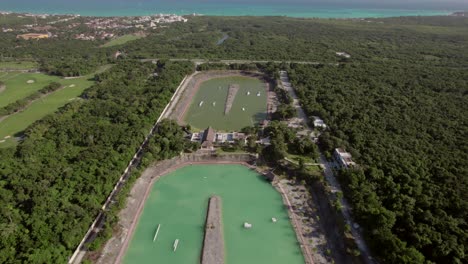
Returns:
(179,201)
(247,110)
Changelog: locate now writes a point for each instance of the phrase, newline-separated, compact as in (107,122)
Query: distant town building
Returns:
(344,158)
(33,36)
(318,122)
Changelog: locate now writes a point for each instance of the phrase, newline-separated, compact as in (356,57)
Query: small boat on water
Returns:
(200,104)
(214,103)
(248,93)
(258,94)
(243,109)
(176,243)
(156,234)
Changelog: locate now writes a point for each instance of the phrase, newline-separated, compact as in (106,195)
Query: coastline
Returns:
(316,13)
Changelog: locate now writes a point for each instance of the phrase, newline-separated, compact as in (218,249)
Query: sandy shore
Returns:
(305,220)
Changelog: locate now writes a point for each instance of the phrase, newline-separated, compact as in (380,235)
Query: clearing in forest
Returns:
(13,125)
(20,85)
(18,65)
(214,105)
(122,40)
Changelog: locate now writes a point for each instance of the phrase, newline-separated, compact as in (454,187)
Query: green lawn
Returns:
(40,108)
(17,86)
(18,65)
(247,109)
(121,40)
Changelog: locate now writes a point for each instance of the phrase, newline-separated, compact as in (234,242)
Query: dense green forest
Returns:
(399,105)
(429,40)
(406,125)
(54,183)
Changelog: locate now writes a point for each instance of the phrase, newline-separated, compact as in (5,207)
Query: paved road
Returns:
(201,61)
(329,175)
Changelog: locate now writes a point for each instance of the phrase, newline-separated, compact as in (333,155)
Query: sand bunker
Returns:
(30,81)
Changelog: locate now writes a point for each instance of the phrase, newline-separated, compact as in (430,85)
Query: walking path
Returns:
(213,244)
(329,176)
(95,227)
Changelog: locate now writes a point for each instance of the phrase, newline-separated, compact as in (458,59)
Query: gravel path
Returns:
(329,176)
(213,245)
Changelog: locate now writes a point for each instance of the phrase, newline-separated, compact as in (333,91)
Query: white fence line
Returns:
(73,258)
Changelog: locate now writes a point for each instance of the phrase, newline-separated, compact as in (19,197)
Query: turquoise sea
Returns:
(292,8)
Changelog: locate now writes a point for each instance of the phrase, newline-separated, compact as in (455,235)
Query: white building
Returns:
(212,136)
(344,158)
(318,122)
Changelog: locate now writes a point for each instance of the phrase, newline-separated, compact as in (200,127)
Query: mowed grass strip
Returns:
(40,108)
(121,40)
(247,108)
(18,65)
(17,86)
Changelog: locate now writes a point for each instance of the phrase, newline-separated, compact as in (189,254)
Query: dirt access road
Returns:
(328,171)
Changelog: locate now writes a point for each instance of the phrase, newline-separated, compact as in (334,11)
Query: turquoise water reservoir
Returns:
(179,201)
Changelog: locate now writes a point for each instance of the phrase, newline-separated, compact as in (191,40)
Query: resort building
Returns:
(343,158)
(209,138)
(318,122)
(33,36)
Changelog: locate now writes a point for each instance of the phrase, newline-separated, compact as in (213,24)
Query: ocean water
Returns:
(292,8)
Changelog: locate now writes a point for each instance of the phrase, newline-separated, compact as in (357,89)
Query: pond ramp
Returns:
(213,245)
(232,91)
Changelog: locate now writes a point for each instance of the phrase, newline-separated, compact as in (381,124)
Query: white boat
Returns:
(214,103)
(247,225)
(274,220)
(243,109)
(156,234)
(176,243)
(248,93)
(200,104)
(258,94)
